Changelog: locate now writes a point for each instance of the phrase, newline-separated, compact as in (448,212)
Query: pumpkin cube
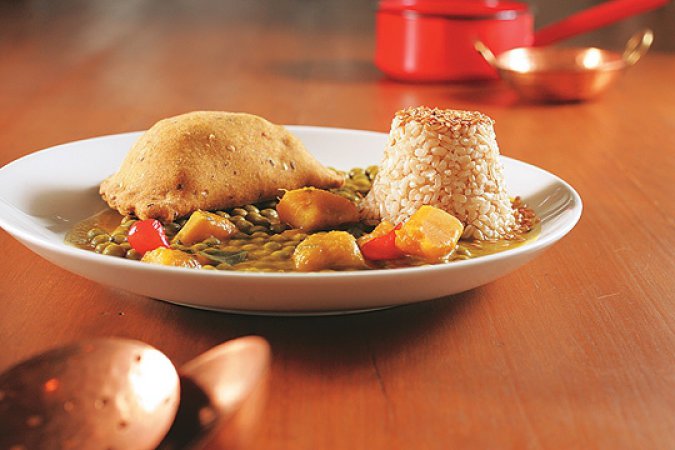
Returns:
(202,225)
(170,257)
(332,250)
(430,233)
(315,209)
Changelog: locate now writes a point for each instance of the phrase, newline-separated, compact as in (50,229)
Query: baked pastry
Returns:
(211,160)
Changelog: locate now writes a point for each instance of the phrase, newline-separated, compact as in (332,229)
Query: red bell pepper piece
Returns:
(147,235)
(383,247)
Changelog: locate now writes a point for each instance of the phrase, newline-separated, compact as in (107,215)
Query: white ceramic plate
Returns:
(43,194)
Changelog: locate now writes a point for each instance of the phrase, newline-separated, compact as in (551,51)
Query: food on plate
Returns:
(210,160)
(332,250)
(203,225)
(437,196)
(170,257)
(147,235)
(430,233)
(448,159)
(380,244)
(313,209)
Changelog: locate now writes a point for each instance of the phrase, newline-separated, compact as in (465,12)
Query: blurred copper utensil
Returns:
(124,394)
(222,392)
(103,393)
(562,74)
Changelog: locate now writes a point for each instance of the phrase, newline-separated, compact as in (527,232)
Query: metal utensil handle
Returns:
(637,46)
(486,53)
(593,18)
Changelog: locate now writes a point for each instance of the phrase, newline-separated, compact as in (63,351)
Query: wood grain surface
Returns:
(575,350)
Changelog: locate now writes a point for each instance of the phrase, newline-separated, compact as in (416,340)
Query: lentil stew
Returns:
(262,243)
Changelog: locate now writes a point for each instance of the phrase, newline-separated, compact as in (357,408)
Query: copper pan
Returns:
(565,74)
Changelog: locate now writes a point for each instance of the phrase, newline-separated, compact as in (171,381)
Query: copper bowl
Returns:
(563,74)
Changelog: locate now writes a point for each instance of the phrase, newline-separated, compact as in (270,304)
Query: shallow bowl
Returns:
(39,204)
(560,74)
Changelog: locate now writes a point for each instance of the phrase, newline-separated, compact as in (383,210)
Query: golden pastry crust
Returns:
(211,160)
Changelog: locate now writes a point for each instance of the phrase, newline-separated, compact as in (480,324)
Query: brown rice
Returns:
(448,159)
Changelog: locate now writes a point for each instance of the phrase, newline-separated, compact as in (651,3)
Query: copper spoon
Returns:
(221,395)
(103,393)
(123,394)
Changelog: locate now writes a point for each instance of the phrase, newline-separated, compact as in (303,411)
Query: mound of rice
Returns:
(448,159)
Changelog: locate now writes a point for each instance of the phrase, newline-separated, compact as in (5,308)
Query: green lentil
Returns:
(355,171)
(100,239)
(279,254)
(269,213)
(288,251)
(91,234)
(257,219)
(272,246)
(244,226)
(133,254)
(278,227)
(231,248)
(256,254)
(171,228)
(114,250)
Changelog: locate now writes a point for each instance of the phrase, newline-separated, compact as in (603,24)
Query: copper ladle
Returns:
(124,394)
(563,74)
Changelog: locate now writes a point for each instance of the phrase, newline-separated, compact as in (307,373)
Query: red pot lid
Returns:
(457,8)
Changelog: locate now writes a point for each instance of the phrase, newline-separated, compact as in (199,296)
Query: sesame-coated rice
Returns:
(448,159)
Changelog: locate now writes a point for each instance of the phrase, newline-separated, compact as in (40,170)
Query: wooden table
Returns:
(575,350)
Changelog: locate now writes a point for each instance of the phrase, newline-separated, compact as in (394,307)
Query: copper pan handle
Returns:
(637,46)
(593,18)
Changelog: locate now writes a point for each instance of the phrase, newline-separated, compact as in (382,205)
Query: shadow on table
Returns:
(342,341)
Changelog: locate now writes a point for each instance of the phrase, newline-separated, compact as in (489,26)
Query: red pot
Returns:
(433,40)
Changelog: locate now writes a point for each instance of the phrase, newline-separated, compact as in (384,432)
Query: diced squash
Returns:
(170,257)
(380,230)
(332,250)
(203,225)
(315,209)
(430,233)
